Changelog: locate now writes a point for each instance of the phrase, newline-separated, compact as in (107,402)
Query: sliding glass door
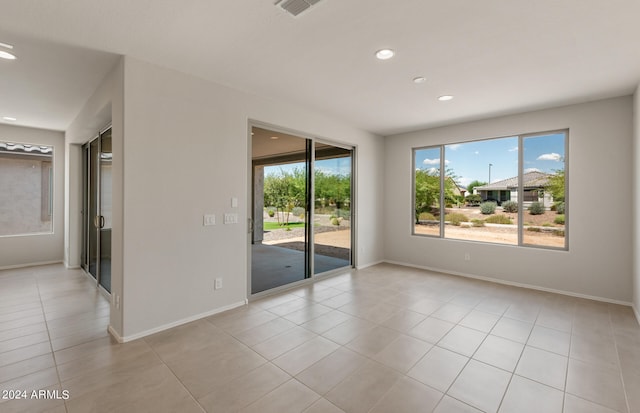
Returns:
(96,211)
(301,221)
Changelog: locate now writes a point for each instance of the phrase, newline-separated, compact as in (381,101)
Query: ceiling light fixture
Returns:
(5,54)
(385,54)
(275,138)
(444,98)
(419,79)
(9,118)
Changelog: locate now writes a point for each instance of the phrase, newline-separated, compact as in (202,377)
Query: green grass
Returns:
(270,226)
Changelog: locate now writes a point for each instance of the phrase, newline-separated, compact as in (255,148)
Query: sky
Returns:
(470,161)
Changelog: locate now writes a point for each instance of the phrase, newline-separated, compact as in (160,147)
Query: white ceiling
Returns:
(494,56)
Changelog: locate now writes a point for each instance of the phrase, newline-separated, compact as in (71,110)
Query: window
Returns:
(26,189)
(504,190)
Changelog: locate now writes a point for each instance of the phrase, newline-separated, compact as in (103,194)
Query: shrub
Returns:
(427,216)
(455,218)
(335,221)
(536,208)
(559,219)
(473,199)
(534,229)
(477,222)
(559,207)
(271,211)
(488,208)
(510,206)
(298,211)
(343,213)
(499,219)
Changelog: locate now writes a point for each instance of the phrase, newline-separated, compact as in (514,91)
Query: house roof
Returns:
(533,179)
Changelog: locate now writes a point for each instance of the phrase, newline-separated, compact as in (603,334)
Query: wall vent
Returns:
(295,7)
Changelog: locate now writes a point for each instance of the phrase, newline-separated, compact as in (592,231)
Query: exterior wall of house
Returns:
(599,260)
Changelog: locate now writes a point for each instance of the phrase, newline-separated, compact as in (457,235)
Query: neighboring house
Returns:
(507,189)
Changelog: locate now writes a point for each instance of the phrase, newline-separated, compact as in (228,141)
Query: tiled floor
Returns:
(383,339)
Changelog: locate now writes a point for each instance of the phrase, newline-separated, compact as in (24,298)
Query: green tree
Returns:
(427,191)
(285,191)
(474,184)
(555,186)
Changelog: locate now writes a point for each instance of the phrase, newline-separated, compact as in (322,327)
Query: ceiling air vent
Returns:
(295,7)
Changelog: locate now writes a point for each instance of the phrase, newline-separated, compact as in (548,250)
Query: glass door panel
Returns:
(280,233)
(105,218)
(332,210)
(93,215)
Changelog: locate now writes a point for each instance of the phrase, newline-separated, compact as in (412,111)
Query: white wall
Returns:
(636,202)
(105,106)
(186,154)
(600,185)
(23,250)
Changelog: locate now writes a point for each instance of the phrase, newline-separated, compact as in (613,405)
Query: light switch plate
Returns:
(209,219)
(234,202)
(230,218)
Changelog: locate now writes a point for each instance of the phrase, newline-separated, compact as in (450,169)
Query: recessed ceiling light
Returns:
(384,54)
(275,137)
(444,98)
(5,54)
(9,118)
(419,79)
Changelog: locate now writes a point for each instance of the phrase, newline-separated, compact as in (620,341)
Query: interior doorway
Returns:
(302,200)
(97,158)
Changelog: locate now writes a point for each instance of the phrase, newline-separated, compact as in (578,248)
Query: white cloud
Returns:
(531,170)
(434,161)
(550,157)
(454,147)
(477,152)
(513,149)
(433,170)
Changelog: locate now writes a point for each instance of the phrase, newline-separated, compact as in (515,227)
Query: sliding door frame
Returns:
(310,214)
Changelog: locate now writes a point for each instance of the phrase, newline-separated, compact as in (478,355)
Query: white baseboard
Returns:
(516,284)
(125,339)
(371,264)
(31,264)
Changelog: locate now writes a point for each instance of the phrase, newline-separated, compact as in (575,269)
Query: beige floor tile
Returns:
(23,331)
(280,344)
(237,322)
(551,340)
(403,321)
(37,402)
(408,396)
(451,313)
(573,404)
(326,321)
(523,312)
(360,391)
(25,367)
(431,329)
(151,390)
(555,320)
(543,367)
(481,386)
(296,360)
(499,352)
(331,370)
(527,396)
(265,331)
(307,313)
(34,381)
(323,406)
(594,348)
(426,306)
(462,340)
(479,320)
(23,341)
(201,371)
(339,300)
(403,353)
(451,405)
(24,353)
(371,342)
(596,383)
(512,329)
(193,336)
(347,331)
(289,306)
(438,368)
(291,397)
(234,395)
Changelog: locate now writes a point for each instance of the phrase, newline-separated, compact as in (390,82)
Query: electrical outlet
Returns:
(209,219)
(218,284)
